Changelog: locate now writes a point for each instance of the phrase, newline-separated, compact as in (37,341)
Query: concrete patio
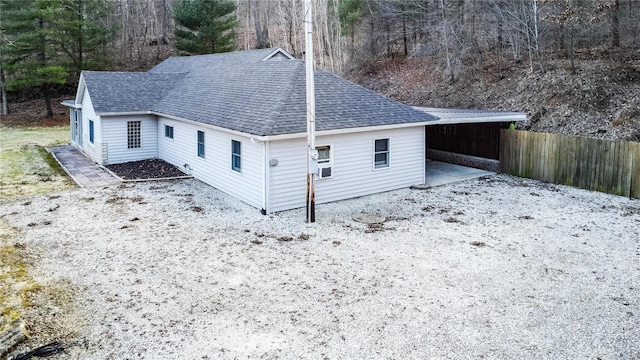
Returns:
(440,173)
(80,168)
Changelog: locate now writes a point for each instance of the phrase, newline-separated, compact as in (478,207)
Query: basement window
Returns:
(133,134)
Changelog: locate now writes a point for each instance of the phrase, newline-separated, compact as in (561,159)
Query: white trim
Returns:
(324,132)
(493,119)
(271,137)
(74,106)
(276,51)
(126,113)
(81,88)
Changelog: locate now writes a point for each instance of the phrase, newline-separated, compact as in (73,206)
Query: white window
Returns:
(91,131)
(236,156)
(133,134)
(381,153)
(168,131)
(201,144)
(324,161)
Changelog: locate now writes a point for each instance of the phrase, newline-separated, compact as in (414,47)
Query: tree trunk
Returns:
(499,49)
(536,35)
(164,40)
(42,57)
(404,35)
(372,43)
(46,93)
(388,30)
(262,34)
(5,103)
(615,25)
(573,65)
(446,42)
(80,36)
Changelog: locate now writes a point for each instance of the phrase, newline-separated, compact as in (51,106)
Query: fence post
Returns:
(635,170)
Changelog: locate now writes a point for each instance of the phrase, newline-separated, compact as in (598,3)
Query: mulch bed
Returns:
(145,169)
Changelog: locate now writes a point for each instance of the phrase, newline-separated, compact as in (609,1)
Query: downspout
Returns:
(265,178)
(158,133)
(424,154)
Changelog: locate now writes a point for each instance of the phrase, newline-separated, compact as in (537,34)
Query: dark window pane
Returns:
(381,160)
(382,145)
(201,144)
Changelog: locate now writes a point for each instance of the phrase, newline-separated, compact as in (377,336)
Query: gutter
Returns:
(74,106)
(477,120)
(265,138)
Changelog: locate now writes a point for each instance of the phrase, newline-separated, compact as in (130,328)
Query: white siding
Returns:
(215,168)
(115,139)
(94,151)
(353,173)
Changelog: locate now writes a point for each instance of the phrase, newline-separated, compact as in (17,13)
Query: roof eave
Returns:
(125,113)
(70,105)
(274,137)
(349,130)
(476,120)
(281,51)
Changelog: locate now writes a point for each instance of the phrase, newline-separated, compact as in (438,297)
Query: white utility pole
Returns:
(312,156)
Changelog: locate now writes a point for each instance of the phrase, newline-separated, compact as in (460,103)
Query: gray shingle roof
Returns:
(128,91)
(239,91)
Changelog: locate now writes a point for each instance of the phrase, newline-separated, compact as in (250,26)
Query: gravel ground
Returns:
(497,267)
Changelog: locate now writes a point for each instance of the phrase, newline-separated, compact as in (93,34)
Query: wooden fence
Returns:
(602,165)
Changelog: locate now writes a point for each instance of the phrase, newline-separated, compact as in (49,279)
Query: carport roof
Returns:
(469,116)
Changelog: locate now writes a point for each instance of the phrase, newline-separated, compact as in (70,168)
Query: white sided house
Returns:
(237,121)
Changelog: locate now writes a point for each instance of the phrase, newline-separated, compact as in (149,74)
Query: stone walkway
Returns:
(80,168)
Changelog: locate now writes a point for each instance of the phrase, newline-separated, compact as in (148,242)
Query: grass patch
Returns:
(26,167)
(16,286)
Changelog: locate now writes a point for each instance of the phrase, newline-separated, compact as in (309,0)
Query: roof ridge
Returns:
(269,126)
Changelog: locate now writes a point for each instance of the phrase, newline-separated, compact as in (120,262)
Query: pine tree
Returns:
(32,59)
(205,26)
(81,36)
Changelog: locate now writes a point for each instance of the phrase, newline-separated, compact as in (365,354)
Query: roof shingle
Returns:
(239,91)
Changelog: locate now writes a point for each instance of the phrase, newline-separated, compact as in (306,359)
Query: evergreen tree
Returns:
(205,26)
(32,59)
(350,16)
(81,35)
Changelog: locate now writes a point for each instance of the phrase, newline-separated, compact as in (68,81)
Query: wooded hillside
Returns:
(562,61)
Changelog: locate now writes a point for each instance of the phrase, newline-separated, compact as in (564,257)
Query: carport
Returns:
(467,137)
(464,144)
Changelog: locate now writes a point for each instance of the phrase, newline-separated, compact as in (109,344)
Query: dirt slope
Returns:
(601,100)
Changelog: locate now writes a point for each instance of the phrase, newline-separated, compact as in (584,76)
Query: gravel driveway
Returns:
(497,267)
